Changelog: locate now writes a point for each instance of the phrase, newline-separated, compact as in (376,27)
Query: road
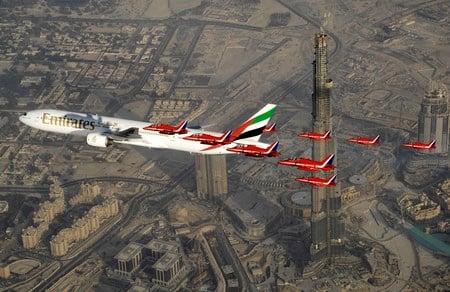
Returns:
(410,10)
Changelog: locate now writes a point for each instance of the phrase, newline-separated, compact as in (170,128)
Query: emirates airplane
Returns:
(102,131)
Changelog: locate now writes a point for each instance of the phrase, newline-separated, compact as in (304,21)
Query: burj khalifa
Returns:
(327,226)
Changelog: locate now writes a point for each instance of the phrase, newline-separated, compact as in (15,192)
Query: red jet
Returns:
(366,141)
(421,146)
(210,139)
(316,136)
(255,151)
(269,129)
(318,182)
(168,129)
(310,165)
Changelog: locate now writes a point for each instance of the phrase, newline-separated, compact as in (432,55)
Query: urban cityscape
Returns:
(74,217)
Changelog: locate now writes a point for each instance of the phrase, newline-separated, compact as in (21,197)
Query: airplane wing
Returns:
(124,134)
(212,147)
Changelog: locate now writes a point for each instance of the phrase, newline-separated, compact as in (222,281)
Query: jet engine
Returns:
(98,140)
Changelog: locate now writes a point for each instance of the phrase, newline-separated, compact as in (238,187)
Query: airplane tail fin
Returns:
(432,144)
(376,139)
(182,126)
(225,136)
(272,147)
(252,129)
(326,134)
(331,180)
(328,160)
(270,129)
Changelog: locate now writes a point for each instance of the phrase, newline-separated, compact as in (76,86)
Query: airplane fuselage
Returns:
(315,136)
(420,146)
(303,162)
(318,182)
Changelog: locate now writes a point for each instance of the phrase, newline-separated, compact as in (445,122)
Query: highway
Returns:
(185,61)
(114,179)
(45,189)
(410,10)
(24,189)
(170,21)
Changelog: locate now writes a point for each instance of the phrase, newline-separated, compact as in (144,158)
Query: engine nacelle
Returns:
(98,140)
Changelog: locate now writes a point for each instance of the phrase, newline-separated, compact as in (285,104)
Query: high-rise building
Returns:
(211,172)
(434,118)
(327,227)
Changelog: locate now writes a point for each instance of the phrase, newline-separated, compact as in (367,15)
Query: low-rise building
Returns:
(253,214)
(167,268)
(419,208)
(129,259)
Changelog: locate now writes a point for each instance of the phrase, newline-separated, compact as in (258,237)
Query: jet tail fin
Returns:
(331,180)
(252,129)
(326,134)
(182,126)
(270,129)
(328,160)
(272,147)
(225,136)
(432,144)
(376,139)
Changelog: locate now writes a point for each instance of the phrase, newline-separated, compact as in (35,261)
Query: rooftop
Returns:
(129,251)
(166,261)
(162,246)
(301,198)
(253,208)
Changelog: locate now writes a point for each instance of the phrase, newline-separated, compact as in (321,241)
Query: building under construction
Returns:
(327,226)
(434,118)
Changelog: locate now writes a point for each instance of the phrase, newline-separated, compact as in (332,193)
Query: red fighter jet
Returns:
(318,182)
(255,151)
(316,136)
(168,129)
(210,139)
(310,165)
(269,129)
(421,146)
(366,141)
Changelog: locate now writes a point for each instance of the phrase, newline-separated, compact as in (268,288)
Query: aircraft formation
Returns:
(326,164)
(102,131)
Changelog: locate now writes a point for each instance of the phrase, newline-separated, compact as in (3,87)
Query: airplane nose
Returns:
(23,118)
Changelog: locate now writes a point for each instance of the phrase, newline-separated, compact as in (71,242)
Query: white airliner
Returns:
(101,131)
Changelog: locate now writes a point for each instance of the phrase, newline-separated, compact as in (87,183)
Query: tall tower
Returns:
(434,118)
(327,228)
(211,176)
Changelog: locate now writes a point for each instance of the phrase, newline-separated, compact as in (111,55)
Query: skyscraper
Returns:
(434,118)
(211,176)
(327,228)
